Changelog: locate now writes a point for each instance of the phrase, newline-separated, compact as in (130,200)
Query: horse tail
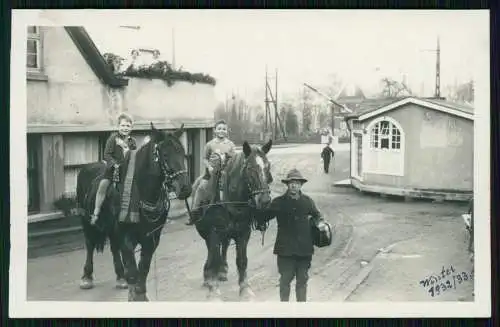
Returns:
(100,242)
(84,201)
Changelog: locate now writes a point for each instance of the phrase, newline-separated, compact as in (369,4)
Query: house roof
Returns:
(350,91)
(93,56)
(375,107)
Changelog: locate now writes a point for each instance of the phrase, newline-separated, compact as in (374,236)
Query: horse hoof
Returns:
(141,298)
(214,296)
(215,299)
(121,284)
(246,294)
(86,284)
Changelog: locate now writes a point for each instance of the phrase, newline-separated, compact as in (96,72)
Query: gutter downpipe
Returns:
(346,119)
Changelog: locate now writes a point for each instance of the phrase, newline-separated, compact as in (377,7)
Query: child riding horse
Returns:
(223,149)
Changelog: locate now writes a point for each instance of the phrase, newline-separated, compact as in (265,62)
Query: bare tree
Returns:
(307,111)
(463,93)
(334,85)
(392,88)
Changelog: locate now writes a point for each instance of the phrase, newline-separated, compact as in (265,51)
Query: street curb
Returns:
(345,183)
(357,280)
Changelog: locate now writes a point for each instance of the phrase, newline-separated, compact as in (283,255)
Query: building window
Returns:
(79,150)
(33,50)
(385,135)
(33,173)
(103,138)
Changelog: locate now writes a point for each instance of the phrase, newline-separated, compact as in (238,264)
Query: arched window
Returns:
(385,135)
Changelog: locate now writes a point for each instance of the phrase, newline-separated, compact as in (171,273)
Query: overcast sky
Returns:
(306,46)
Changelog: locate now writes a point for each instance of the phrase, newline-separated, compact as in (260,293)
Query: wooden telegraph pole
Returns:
(274,101)
(437,87)
(276,111)
(268,125)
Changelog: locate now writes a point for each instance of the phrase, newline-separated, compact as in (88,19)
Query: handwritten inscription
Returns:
(446,280)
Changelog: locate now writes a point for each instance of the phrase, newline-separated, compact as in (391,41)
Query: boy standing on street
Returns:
(295,213)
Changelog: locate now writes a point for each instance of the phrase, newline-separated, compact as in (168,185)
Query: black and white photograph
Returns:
(215,163)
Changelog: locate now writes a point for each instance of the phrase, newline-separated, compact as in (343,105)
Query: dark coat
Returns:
(113,152)
(327,153)
(295,218)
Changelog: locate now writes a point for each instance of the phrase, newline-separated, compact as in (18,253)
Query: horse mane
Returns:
(234,173)
(143,157)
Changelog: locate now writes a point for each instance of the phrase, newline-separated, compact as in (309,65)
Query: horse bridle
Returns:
(245,168)
(169,174)
(257,191)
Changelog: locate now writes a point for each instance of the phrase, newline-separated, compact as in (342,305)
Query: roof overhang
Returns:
(93,57)
(416,101)
(140,125)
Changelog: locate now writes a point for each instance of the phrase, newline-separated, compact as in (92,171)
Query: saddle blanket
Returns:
(129,204)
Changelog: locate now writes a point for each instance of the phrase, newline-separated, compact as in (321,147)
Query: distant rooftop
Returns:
(369,105)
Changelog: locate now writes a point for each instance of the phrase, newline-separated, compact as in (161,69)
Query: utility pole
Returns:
(274,100)
(173,48)
(437,89)
(437,93)
(268,116)
(276,112)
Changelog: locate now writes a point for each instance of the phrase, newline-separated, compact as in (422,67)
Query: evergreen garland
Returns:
(158,70)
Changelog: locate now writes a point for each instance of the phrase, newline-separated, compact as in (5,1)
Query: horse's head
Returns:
(170,155)
(257,172)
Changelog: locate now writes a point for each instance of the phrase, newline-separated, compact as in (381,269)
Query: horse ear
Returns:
(156,135)
(179,132)
(246,149)
(266,147)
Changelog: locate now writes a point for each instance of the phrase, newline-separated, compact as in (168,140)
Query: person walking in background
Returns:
(296,213)
(326,155)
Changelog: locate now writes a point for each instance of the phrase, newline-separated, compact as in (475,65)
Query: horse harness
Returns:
(154,211)
(249,186)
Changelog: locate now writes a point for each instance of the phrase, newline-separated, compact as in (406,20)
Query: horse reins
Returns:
(169,177)
(168,173)
(250,194)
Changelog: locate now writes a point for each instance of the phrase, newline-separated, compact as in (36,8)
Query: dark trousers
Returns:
(326,165)
(291,267)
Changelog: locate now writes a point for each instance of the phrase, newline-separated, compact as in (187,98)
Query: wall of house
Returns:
(439,152)
(69,111)
(73,94)
(153,99)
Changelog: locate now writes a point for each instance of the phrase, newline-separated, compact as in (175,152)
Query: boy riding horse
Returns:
(117,146)
(219,148)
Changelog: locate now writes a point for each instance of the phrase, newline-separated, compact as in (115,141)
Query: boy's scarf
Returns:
(129,209)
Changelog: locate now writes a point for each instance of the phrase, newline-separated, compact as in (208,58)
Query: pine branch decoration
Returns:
(159,70)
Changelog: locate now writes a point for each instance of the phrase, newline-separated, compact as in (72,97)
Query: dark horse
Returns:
(246,189)
(159,173)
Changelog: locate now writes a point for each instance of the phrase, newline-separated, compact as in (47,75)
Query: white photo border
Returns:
(21,308)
